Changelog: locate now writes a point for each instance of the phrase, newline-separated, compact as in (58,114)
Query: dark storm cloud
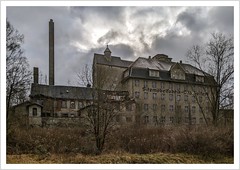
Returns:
(131,32)
(107,14)
(222,19)
(123,50)
(111,35)
(173,45)
(193,19)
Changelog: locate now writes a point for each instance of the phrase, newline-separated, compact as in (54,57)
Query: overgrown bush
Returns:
(48,140)
(194,140)
(199,140)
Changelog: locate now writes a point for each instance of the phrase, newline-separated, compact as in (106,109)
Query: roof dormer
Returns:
(177,72)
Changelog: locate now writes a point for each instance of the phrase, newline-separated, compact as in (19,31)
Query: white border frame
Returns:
(5,4)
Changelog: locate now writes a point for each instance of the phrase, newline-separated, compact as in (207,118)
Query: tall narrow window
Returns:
(145,83)
(171,108)
(146,119)
(162,96)
(145,107)
(154,107)
(154,95)
(193,109)
(145,95)
(137,94)
(170,97)
(154,84)
(162,85)
(170,86)
(186,109)
(64,104)
(34,111)
(136,83)
(162,108)
(72,105)
(178,87)
(178,97)
(80,105)
(185,97)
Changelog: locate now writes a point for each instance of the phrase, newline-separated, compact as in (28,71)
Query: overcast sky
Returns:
(131,32)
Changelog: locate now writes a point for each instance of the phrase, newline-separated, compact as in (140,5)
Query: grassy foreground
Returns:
(121,158)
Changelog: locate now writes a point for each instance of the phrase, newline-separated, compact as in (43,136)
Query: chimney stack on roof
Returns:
(51,52)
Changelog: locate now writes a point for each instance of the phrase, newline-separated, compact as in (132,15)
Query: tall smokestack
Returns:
(35,75)
(51,52)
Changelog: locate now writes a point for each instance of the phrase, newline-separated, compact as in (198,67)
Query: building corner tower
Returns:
(51,52)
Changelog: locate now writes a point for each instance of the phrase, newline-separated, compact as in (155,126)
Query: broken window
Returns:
(72,105)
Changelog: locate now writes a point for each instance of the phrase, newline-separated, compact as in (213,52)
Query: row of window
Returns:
(178,97)
(162,119)
(171,108)
(153,84)
(129,106)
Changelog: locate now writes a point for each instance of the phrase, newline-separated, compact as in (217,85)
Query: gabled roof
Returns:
(115,61)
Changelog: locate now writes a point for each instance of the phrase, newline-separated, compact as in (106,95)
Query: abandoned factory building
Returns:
(152,91)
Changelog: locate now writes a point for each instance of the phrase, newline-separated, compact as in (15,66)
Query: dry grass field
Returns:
(163,145)
(117,158)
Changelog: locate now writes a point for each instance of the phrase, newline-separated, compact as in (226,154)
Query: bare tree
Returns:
(99,115)
(216,58)
(17,68)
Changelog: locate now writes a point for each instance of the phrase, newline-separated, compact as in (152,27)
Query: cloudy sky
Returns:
(131,32)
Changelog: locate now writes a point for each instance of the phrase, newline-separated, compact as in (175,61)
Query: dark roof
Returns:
(27,103)
(64,92)
(136,72)
(155,64)
(115,61)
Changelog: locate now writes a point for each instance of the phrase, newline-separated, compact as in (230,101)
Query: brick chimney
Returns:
(51,52)
(35,75)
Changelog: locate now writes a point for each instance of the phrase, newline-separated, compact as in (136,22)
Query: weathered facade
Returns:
(165,92)
(67,102)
